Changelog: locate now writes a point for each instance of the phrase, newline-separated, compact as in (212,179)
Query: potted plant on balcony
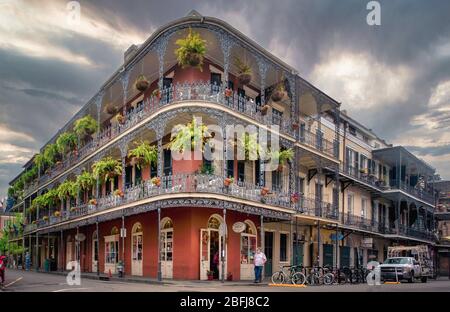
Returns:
(85,127)
(227,181)
(73,209)
(191,50)
(264,191)
(156,94)
(119,193)
(156,181)
(120,118)
(295,198)
(363,170)
(249,143)
(228,92)
(45,218)
(67,189)
(141,83)
(93,202)
(143,154)
(282,157)
(210,275)
(265,109)
(244,71)
(51,154)
(279,92)
(106,169)
(57,213)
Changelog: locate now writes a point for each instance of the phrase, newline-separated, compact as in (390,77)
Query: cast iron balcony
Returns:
(186,183)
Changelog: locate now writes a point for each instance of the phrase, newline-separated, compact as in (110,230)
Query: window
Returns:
(137,175)
(241,170)
(257,171)
(301,185)
(276,180)
(363,207)
(111,251)
(108,186)
(128,176)
(350,204)
(153,170)
(242,99)
(167,162)
(283,247)
(277,117)
(116,183)
(230,168)
(352,130)
(319,191)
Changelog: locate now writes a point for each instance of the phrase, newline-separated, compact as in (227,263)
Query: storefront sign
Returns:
(123,232)
(239,227)
(367,242)
(339,237)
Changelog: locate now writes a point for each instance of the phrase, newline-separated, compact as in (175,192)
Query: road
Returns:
(21,281)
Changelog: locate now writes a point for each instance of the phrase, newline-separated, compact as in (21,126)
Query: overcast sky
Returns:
(393,78)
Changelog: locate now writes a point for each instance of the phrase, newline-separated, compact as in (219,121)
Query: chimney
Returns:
(130,52)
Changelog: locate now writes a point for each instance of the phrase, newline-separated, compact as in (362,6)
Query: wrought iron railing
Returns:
(317,141)
(317,208)
(186,183)
(195,91)
(363,175)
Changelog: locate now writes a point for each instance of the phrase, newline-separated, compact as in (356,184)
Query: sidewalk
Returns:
(148,280)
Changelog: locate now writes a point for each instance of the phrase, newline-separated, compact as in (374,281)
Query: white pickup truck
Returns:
(407,262)
(402,268)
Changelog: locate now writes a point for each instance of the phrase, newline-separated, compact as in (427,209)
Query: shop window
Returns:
(283,247)
(248,243)
(111,252)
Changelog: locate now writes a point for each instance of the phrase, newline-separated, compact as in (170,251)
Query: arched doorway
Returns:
(94,252)
(248,250)
(136,249)
(212,248)
(167,248)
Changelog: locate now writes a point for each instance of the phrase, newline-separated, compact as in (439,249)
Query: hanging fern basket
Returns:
(111,109)
(142,83)
(194,59)
(278,95)
(245,79)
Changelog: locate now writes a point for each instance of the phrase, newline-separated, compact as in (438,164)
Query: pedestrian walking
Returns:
(27,261)
(3,262)
(259,261)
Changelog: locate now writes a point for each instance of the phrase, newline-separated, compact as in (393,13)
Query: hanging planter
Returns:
(57,213)
(279,93)
(111,109)
(191,50)
(142,83)
(119,193)
(45,218)
(244,71)
(93,201)
(295,125)
(295,198)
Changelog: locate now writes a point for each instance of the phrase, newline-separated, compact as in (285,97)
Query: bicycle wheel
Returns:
(278,278)
(298,278)
(328,279)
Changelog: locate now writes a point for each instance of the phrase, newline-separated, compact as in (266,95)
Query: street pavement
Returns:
(23,281)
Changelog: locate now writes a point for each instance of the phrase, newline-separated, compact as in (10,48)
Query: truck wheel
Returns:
(411,279)
(424,279)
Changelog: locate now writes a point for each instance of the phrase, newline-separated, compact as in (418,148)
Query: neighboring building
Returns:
(442,216)
(5,220)
(357,194)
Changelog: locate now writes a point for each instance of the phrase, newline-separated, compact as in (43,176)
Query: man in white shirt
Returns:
(259,261)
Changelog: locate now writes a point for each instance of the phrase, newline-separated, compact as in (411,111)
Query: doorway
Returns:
(94,252)
(167,248)
(212,249)
(268,251)
(136,250)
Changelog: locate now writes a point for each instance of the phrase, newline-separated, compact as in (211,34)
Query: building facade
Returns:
(442,216)
(341,200)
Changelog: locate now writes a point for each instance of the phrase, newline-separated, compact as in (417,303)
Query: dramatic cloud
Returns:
(394,78)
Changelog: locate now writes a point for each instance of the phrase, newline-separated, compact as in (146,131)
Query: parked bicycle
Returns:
(294,275)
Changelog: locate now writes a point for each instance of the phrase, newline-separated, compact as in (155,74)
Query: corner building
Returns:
(356,194)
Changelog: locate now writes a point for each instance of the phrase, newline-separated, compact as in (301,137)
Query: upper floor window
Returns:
(277,116)
(363,208)
(352,130)
(350,204)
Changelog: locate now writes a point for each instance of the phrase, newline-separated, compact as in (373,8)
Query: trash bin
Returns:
(47,265)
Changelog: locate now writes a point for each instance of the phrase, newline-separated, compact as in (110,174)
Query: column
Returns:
(319,136)
(262,243)
(98,103)
(224,245)
(336,144)
(318,243)
(123,154)
(122,234)
(61,244)
(262,66)
(124,79)
(159,137)
(225,43)
(161,51)
(36,263)
(98,247)
(159,245)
